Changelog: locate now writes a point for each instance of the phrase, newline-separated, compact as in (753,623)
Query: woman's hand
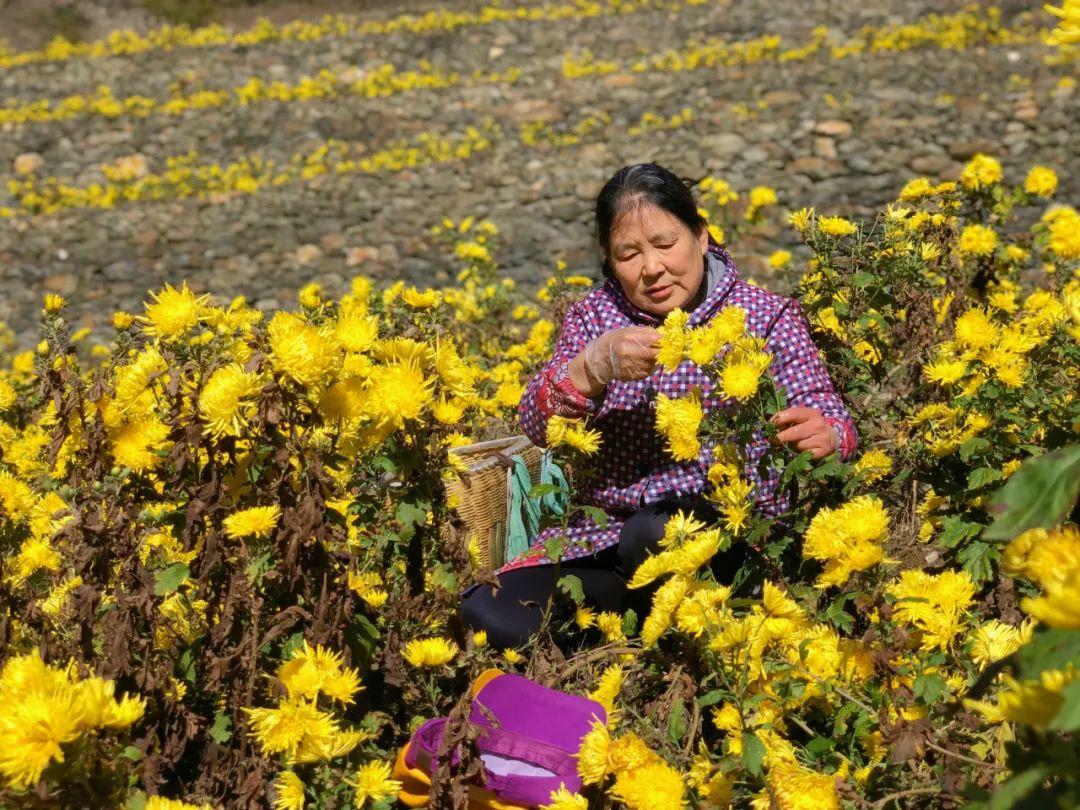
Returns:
(809,431)
(621,354)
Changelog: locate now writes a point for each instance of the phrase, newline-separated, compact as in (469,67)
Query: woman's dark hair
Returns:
(640,183)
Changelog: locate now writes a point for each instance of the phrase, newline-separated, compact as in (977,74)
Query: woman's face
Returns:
(657,259)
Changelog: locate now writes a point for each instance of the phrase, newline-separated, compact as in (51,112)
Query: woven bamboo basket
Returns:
(483,493)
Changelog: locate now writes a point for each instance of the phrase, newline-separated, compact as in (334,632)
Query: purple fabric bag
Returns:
(531,748)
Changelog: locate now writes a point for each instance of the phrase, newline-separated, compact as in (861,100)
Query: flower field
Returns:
(230,568)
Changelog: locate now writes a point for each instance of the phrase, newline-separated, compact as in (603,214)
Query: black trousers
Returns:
(516,611)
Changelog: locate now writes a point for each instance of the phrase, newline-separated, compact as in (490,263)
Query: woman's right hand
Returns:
(621,354)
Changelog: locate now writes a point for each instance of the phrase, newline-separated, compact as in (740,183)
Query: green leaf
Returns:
(571,586)
(168,580)
(955,529)
(838,615)
(411,514)
(798,465)
(1068,716)
(819,747)
(540,490)
(753,752)
(676,725)
(711,698)
(862,279)
(132,753)
(629,622)
(1009,793)
(827,468)
(385,463)
(1049,649)
(972,446)
(554,548)
(259,565)
(221,731)
(363,637)
(1040,494)
(293,643)
(978,559)
(598,516)
(186,664)
(982,476)
(929,688)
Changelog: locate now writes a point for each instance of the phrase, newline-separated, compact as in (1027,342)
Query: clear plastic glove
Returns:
(622,354)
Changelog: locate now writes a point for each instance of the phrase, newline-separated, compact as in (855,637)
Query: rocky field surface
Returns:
(842,133)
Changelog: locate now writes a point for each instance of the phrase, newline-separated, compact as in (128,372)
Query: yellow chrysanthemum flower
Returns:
(847,539)
(592,756)
(837,226)
(162,803)
(651,787)
(300,350)
(936,604)
(801,219)
(874,465)
(257,521)
(994,640)
(174,312)
(314,670)
(290,791)
(225,401)
(607,689)
(45,708)
(916,189)
(429,652)
(373,783)
(1041,181)
(796,787)
(421,299)
(563,799)
(673,340)
(779,259)
(977,240)
(740,380)
(138,445)
(975,330)
(1064,225)
(1032,702)
(572,433)
(396,393)
(980,172)
(677,420)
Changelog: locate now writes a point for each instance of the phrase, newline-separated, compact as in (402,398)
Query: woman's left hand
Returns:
(809,430)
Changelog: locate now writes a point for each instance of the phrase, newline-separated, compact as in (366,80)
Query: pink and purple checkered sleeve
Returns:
(798,368)
(551,391)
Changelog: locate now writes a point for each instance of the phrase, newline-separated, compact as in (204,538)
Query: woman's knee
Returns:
(643,531)
(640,537)
(511,615)
(480,610)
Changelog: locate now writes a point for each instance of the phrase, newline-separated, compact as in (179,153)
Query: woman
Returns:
(657,257)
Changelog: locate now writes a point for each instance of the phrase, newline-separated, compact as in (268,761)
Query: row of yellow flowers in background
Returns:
(969,28)
(380,82)
(169,37)
(129,179)
(961,30)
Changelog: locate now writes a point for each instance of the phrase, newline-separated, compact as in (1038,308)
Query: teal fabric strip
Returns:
(524,518)
(523,523)
(555,503)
